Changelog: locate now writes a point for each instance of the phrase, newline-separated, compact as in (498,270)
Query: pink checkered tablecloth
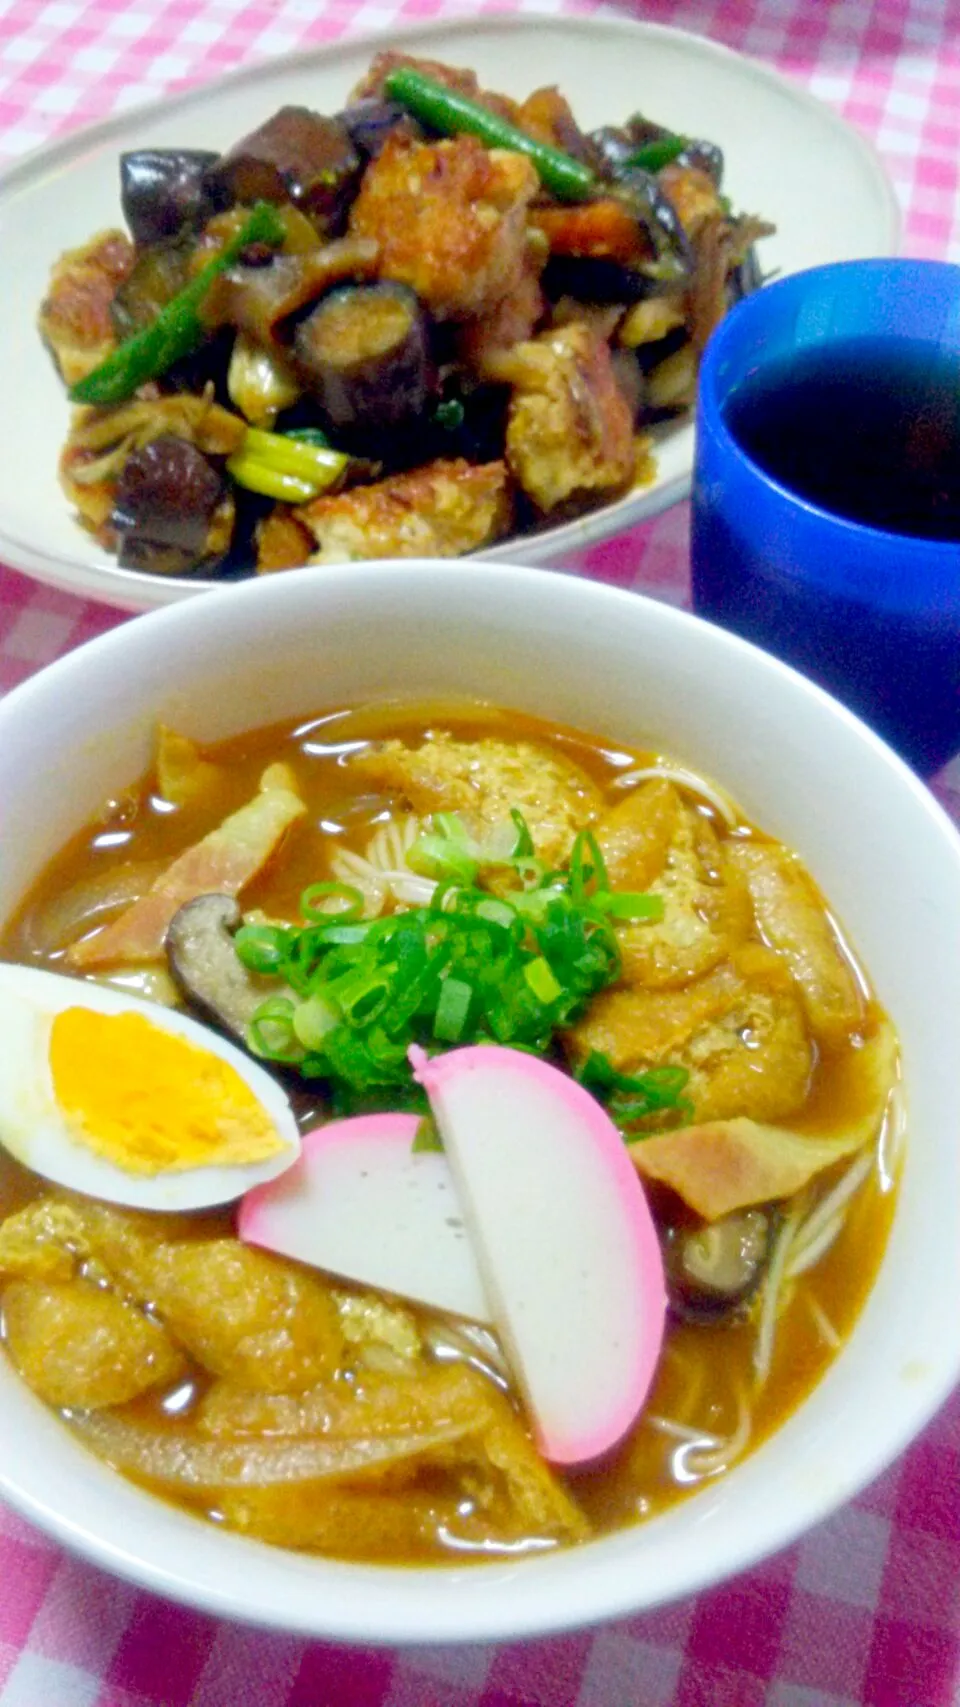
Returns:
(865,1612)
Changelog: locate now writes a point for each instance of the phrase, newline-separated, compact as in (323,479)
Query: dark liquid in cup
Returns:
(869,430)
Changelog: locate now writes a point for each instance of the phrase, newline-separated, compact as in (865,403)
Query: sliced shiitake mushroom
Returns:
(713,1271)
(206,967)
(171,511)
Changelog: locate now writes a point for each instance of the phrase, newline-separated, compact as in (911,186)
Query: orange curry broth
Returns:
(705,1368)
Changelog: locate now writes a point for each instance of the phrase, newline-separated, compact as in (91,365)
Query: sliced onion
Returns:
(182,1461)
(65,917)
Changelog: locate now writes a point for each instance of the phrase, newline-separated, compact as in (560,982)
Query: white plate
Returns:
(789,159)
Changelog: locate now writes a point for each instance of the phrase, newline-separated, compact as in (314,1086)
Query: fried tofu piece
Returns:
(636,833)
(81,1346)
(657,843)
(377,1331)
(75,321)
(222,863)
(282,542)
(795,923)
(569,426)
(450,219)
(347,1522)
(447,1419)
(547,116)
(242,1314)
(483,780)
(184,776)
(510,322)
(744,1045)
(725,1165)
(43,1241)
(444,509)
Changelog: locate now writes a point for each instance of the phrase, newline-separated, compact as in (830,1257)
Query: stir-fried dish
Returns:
(599,1118)
(434,320)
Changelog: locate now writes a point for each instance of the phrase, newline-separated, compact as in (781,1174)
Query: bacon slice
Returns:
(222,863)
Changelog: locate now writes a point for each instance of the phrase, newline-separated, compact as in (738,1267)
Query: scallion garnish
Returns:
(453,1007)
(631,1098)
(471,967)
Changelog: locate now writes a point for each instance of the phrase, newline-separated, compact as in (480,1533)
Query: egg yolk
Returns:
(148,1100)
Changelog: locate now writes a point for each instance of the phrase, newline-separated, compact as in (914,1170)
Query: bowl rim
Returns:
(526,1599)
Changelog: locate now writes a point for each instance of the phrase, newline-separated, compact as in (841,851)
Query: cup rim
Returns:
(710,410)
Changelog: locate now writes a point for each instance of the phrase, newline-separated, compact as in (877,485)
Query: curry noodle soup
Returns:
(681,964)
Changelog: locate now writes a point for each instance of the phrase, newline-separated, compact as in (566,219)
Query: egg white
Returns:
(34,1131)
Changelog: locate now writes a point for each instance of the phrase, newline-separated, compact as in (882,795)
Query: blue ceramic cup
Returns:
(871,614)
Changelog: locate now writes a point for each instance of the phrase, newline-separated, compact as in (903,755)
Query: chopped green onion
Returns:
(497,913)
(630,1097)
(278,466)
(445,853)
(271,1031)
(523,848)
(453,1008)
(470,967)
(319,892)
(313,1019)
(628,904)
(542,981)
(255,476)
(262,948)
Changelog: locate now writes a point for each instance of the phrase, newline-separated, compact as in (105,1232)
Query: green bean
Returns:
(177,330)
(653,156)
(449,113)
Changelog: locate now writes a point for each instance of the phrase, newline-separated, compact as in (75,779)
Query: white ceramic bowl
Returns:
(639,672)
(788,157)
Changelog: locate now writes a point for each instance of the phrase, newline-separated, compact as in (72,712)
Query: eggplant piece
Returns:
(165,192)
(705,157)
(365,353)
(593,278)
(158,275)
(713,1271)
(258,300)
(653,208)
(205,966)
(370,122)
(297,156)
(613,148)
(169,510)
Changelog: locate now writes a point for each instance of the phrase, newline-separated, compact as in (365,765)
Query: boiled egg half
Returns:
(132,1103)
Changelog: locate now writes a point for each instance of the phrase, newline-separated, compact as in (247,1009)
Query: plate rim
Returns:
(138,591)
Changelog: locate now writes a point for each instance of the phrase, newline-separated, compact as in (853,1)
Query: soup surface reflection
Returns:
(313,1414)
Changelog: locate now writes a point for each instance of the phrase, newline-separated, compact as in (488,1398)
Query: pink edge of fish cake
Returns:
(361,1204)
(624,1226)
(258,1205)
